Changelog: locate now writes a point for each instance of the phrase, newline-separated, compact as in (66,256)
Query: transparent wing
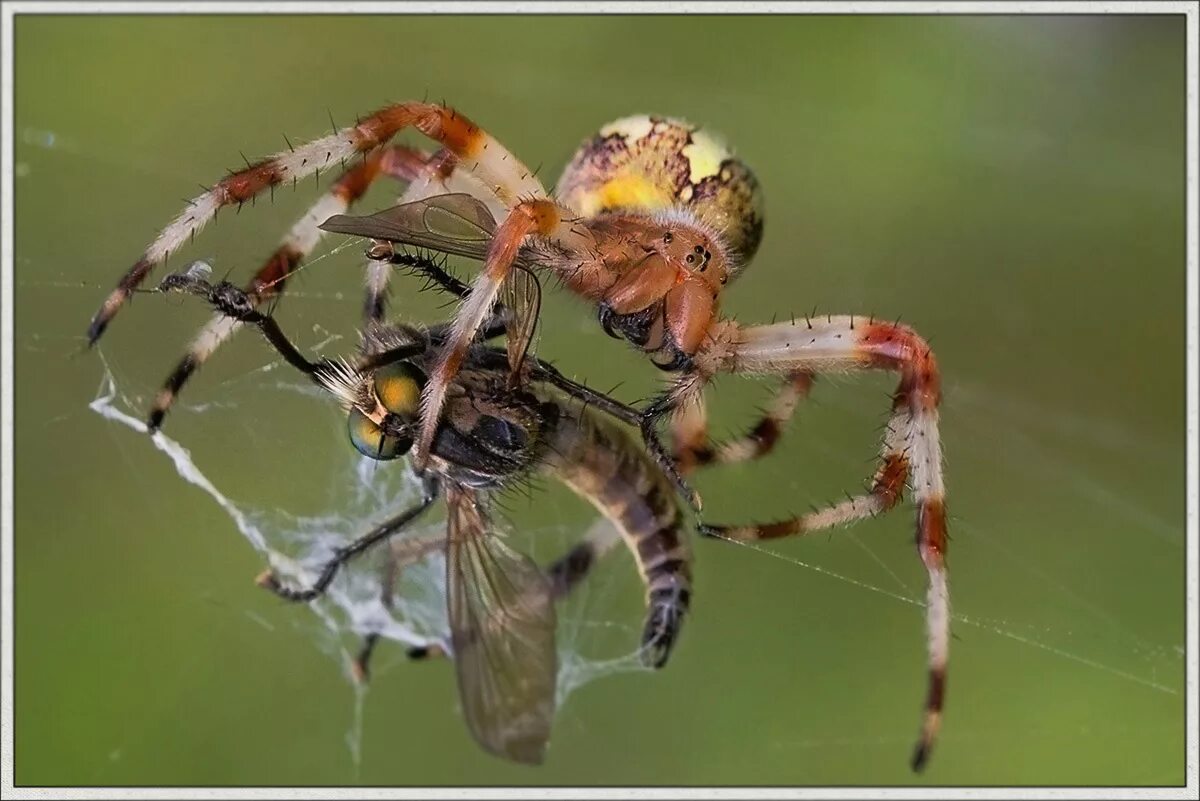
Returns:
(502,632)
(456,223)
(521,294)
(462,225)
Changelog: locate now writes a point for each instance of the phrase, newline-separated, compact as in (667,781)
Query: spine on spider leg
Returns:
(269,281)
(600,463)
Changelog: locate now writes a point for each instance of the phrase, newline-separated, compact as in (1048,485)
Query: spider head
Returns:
(686,241)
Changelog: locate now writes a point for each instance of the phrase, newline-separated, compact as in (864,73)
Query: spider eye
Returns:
(398,387)
(370,440)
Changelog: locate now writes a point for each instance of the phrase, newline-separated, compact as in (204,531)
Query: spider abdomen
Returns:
(651,164)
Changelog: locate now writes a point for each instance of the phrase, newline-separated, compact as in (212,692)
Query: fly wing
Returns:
(521,294)
(502,632)
(456,223)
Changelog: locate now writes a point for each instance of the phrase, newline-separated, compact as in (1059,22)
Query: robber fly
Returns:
(500,604)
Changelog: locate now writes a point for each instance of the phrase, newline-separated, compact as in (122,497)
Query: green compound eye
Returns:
(371,442)
(398,387)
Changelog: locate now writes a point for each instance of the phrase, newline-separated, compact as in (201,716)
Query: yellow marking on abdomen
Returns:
(629,191)
(705,154)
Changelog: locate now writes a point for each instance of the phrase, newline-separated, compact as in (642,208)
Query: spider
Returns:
(650,220)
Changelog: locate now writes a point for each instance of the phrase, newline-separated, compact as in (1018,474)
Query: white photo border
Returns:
(9,10)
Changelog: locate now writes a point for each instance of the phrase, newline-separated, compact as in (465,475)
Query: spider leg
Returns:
(911,448)
(424,174)
(269,282)
(689,436)
(432,175)
(527,219)
(490,161)
(689,428)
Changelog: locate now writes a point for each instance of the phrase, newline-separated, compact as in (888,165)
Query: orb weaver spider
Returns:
(650,220)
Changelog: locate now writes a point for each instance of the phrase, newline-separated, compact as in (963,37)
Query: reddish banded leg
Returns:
(424,175)
(527,219)
(427,176)
(271,278)
(689,426)
(911,451)
(501,171)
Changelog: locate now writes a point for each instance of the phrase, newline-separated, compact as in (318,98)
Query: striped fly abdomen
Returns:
(598,460)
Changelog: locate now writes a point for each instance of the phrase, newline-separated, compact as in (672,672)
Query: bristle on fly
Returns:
(347,384)
(378,338)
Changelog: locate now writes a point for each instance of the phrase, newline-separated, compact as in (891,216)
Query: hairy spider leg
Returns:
(692,448)
(437,174)
(271,279)
(527,219)
(474,148)
(911,451)
(424,175)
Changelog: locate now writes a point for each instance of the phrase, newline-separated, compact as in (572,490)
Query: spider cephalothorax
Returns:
(651,220)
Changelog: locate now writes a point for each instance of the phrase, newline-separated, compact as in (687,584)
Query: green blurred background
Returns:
(1013,187)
